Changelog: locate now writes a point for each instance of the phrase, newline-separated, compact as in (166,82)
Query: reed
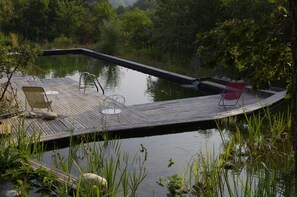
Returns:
(123,173)
(18,145)
(20,137)
(256,159)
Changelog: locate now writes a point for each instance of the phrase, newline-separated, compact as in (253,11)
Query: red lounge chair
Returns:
(232,93)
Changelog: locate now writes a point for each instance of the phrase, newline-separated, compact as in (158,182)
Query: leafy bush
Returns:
(111,37)
(63,41)
(4,41)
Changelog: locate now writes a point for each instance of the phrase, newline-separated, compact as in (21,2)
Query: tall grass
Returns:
(256,159)
(18,145)
(27,142)
(124,173)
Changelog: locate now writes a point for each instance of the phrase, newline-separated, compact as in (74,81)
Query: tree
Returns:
(70,17)
(111,37)
(12,59)
(144,4)
(28,18)
(52,26)
(276,43)
(257,49)
(103,13)
(35,20)
(248,9)
(5,11)
(177,23)
(137,28)
(293,7)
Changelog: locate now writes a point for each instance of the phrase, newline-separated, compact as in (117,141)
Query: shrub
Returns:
(62,42)
(111,37)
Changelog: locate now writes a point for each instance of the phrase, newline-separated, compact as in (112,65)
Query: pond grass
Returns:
(123,173)
(256,159)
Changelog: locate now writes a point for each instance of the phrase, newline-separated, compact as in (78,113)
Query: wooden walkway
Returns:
(79,112)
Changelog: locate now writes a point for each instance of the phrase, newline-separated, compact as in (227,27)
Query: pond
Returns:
(136,87)
(180,148)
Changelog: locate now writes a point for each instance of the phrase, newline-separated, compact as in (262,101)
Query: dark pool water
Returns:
(136,87)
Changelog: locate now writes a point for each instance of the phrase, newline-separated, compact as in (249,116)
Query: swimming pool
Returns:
(136,87)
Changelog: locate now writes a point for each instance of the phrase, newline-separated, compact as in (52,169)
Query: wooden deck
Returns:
(79,112)
(61,177)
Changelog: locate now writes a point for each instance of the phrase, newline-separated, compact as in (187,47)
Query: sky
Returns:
(116,3)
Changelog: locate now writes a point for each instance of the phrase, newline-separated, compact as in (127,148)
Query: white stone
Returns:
(12,193)
(90,178)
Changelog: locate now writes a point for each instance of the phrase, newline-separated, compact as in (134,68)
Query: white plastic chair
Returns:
(113,106)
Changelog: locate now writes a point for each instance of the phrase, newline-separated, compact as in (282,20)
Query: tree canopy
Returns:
(249,38)
(137,27)
(257,49)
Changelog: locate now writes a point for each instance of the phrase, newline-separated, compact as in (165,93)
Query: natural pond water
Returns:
(181,148)
(136,87)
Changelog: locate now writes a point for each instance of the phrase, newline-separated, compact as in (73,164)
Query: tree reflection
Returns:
(111,75)
(161,89)
(61,66)
(69,65)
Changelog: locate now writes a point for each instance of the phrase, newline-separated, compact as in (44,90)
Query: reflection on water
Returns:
(181,148)
(5,186)
(136,87)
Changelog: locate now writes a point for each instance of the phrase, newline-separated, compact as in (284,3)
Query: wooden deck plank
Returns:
(79,112)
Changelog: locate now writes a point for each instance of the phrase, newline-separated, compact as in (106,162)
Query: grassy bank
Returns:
(256,159)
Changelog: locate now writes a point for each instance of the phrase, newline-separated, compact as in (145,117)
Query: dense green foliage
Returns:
(250,39)
(256,47)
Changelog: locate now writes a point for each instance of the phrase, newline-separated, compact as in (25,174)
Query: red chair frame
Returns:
(233,91)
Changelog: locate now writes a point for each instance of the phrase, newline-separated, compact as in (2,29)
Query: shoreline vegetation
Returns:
(256,158)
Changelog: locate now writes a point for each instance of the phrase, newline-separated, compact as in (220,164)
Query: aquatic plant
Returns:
(122,173)
(256,159)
